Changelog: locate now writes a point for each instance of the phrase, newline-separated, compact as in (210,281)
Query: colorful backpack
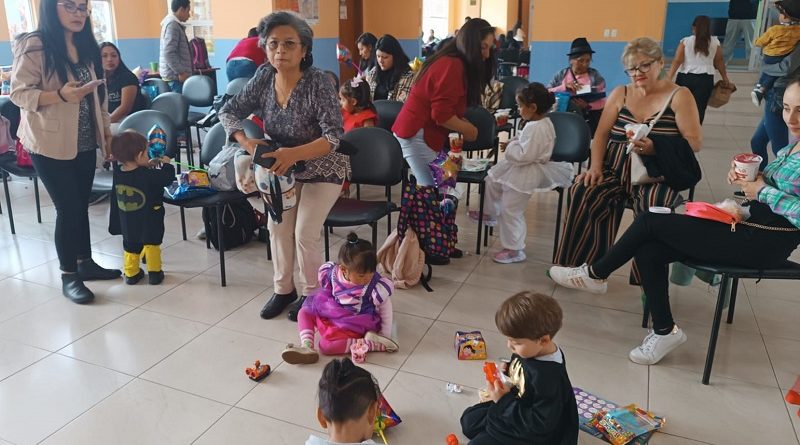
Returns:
(199,54)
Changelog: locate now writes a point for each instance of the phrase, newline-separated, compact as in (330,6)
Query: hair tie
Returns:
(356,81)
(353,242)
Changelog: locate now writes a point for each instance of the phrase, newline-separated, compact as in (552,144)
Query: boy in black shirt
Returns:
(539,407)
(139,189)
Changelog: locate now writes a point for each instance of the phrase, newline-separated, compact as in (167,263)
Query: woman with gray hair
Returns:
(597,199)
(300,110)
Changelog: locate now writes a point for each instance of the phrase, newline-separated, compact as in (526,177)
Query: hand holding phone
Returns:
(94,84)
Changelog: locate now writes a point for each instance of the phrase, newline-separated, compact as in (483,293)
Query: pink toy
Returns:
(358,351)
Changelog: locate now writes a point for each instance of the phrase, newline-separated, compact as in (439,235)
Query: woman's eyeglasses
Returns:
(72,8)
(288,45)
(643,68)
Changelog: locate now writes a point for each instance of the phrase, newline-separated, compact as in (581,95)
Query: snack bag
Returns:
(470,345)
(622,425)
(386,417)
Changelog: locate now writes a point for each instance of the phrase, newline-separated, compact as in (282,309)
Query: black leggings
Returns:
(69,184)
(701,86)
(656,240)
(473,425)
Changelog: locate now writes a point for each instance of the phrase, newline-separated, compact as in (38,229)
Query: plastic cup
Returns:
(562,101)
(745,166)
(153,67)
(456,142)
(501,118)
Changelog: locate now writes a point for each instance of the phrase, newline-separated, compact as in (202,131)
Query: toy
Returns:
(490,369)
(343,56)
(358,351)
(258,372)
(590,406)
(622,425)
(386,418)
(452,439)
(156,142)
(793,395)
(452,387)
(470,345)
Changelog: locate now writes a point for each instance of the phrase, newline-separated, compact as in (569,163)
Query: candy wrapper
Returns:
(635,132)
(343,56)
(386,418)
(470,345)
(156,142)
(415,64)
(445,170)
(590,407)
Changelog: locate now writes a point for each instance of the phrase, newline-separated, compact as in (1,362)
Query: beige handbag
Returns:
(639,174)
(721,94)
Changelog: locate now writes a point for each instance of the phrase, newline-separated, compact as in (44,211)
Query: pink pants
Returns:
(307,325)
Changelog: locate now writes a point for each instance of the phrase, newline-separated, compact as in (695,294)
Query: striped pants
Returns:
(593,215)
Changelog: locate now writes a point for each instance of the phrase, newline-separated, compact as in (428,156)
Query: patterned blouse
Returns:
(87,133)
(400,90)
(782,192)
(311,112)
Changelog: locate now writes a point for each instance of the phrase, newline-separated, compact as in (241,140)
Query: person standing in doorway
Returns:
(175,60)
(741,21)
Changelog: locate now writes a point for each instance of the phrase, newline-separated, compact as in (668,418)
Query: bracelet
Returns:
(59,95)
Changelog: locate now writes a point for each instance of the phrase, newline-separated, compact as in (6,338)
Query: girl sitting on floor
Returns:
(352,303)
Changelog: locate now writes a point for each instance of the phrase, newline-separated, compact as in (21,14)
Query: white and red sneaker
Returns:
(578,278)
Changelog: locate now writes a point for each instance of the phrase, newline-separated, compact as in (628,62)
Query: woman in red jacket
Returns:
(245,58)
(449,81)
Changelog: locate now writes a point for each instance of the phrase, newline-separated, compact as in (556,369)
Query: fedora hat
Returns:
(789,7)
(581,46)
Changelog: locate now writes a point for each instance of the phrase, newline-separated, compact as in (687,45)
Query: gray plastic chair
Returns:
(509,100)
(176,106)
(199,92)
(236,85)
(387,111)
(161,84)
(143,121)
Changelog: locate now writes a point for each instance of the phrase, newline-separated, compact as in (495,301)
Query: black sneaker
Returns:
(73,288)
(294,308)
(436,260)
(757,96)
(134,279)
(457,253)
(277,304)
(155,277)
(88,270)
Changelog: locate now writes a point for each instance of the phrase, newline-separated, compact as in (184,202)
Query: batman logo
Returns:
(129,199)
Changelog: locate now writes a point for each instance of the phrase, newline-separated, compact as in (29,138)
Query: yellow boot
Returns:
(131,268)
(153,254)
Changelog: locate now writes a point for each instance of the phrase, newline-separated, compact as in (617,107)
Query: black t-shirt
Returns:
(121,79)
(742,9)
(140,199)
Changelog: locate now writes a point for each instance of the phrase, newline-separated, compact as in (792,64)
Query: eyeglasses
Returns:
(72,8)
(288,45)
(643,68)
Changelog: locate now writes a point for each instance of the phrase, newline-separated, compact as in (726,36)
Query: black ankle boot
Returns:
(294,308)
(277,304)
(73,288)
(88,270)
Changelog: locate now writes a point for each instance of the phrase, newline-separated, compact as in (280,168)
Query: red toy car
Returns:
(258,371)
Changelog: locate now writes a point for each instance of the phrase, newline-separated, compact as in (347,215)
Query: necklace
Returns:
(282,95)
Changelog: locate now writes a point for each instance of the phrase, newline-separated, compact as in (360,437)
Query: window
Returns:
(102,21)
(20,17)
(200,23)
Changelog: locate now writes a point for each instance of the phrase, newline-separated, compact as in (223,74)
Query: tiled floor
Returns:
(164,364)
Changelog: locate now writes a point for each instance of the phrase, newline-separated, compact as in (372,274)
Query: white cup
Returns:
(746,166)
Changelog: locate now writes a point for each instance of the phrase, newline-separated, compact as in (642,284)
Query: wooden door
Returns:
(349,30)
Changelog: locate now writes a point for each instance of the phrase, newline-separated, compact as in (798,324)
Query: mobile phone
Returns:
(95,83)
(261,149)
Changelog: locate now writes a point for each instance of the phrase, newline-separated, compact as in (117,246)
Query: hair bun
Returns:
(352,238)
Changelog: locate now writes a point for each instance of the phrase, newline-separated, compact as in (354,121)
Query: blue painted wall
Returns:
(138,52)
(679,21)
(6,56)
(547,58)
(411,47)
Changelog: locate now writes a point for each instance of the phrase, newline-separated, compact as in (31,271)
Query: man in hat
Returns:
(583,82)
(741,19)
(777,42)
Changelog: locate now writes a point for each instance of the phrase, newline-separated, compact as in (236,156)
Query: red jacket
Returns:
(248,48)
(438,95)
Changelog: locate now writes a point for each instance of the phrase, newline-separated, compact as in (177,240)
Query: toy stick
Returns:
(383,437)
(189,166)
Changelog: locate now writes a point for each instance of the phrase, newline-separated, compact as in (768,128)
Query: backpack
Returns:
(6,141)
(404,261)
(221,169)
(238,224)
(199,54)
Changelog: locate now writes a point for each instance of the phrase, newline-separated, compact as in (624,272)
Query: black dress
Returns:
(539,409)
(121,79)
(139,197)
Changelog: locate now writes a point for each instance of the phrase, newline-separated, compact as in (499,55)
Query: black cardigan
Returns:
(674,160)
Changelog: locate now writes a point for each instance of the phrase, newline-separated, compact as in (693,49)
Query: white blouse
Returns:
(698,63)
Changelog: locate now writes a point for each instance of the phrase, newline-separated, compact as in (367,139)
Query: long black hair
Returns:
(121,65)
(467,47)
(388,44)
(56,59)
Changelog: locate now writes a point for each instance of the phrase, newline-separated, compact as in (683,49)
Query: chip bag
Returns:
(386,417)
(621,426)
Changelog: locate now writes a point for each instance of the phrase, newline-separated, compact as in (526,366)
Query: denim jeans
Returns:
(69,184)
(176,86)
(772,128)
(419,156)
(237,68)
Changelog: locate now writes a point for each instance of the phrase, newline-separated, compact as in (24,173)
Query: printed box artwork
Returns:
(594,411)
(470,345)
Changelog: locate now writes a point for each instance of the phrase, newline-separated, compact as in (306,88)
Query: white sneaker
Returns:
(578,278)
(655,347)
(388,343)
(201,234)
(299,355)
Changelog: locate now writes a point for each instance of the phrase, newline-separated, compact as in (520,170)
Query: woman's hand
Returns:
(751,188)
(247,143)
(572,87)
(73,92)
(592,176)
(497,390)
(644,147)
(285,158)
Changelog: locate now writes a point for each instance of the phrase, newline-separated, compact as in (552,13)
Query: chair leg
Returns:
(481,190)
(374,226)
(712,342)
(221,244)
(732,303)
(38,201)
(327,244)
(358,191)
(8,203)
(189,147)
(183,224)
(468,187)
(558,221)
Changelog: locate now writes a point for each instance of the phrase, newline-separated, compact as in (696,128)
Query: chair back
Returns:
(236,85)
(509,55)
(487,129)
(510,86)
(572,137)
(387,111)
(525,57)
(160,84)
(378,159)
(10,111)
(173,105)
(217,137)
(199,91)
(143,121)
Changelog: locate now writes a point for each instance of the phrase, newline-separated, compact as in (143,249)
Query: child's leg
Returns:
(153,254)
(511,220)
(473,421)
(493,201)
(338,347)
(306,323)
(131,258)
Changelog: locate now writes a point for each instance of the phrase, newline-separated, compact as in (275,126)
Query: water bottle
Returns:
(5,90)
